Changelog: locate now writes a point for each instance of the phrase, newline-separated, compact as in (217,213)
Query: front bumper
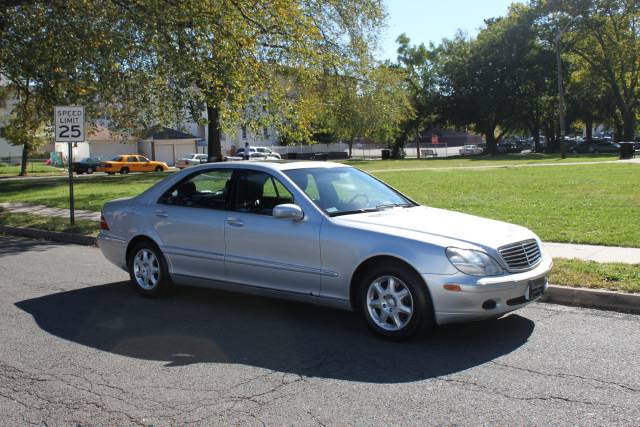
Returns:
(508,292)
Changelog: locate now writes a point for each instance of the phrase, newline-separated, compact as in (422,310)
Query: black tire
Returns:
(89,171)
(163,285)
(421,320)
(124,171)
(159,169)
(110,173)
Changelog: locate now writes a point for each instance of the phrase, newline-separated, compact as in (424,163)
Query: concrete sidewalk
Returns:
(557,250)
(594,253)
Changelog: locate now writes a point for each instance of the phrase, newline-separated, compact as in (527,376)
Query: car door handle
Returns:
(235,222)
(161,213)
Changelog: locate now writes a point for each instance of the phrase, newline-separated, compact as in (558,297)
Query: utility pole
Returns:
(563,142)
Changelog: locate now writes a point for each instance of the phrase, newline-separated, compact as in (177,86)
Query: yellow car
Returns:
(126,163)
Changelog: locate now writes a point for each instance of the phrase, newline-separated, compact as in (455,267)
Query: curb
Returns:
(592,298)
(55,236)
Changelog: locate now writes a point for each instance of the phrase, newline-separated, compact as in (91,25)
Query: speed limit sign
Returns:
(69,123)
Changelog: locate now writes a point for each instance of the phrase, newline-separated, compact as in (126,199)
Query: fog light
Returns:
(452,287)
(489,304)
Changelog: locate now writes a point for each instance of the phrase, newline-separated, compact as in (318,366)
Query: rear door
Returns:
(264,251)
(190,219)
(133,164)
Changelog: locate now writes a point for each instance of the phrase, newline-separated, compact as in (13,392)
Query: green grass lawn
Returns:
(89,228)
(597,204)
(589,274)
(33,168)
(90,192)
(478,161)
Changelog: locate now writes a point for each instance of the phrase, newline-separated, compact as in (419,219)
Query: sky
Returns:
(432,20)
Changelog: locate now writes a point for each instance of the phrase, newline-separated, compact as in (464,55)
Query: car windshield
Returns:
(344,191)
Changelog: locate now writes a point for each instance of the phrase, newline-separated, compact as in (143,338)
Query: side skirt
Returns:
(200,282)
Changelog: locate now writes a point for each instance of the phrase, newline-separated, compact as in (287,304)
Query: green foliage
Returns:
(144,63)
(369,106)
(604,35)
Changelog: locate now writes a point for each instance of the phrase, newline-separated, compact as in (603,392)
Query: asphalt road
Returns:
(78,346)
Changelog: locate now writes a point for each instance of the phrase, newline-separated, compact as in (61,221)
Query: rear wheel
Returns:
(124,171)
(394,302)
(148,270)
(89,170)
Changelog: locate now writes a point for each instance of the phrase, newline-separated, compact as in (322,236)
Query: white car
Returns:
(192,160)
(470,150)
(268,152)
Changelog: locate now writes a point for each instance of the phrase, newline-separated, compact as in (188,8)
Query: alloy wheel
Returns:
(389,303)
(146,269)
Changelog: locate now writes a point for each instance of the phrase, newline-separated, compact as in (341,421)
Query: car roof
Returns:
(280,165)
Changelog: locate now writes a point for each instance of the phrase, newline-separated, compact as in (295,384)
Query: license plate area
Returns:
(536,288)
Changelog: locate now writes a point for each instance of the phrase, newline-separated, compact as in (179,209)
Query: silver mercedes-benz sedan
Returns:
(324,233)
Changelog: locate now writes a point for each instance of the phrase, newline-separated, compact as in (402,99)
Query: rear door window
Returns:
(206,189)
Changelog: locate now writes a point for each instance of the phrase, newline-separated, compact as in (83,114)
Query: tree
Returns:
(420,70)
(254,61)
(55,53)
(605,35)
(138,64)
(371,106)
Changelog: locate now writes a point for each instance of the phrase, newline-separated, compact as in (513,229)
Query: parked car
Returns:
(87,165)
(192,160)
(470,150)
(268,152)
(505,147)
(131,163)
(253,155)
(324,233)
(595,146)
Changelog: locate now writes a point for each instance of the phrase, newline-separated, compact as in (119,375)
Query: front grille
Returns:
(521,256)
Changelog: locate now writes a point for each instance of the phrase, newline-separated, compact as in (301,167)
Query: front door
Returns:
(190,218)
(265,251)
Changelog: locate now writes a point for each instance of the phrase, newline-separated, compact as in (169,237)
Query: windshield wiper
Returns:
(356,211)
(394,205)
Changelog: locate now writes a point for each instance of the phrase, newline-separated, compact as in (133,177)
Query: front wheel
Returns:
(89,171)
(148,270)
(395,303)
(159,169)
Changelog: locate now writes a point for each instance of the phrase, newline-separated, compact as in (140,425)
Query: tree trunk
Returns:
(629,125)
(418,144)
(214,142)
(535,134)
(490,137)
(350,147)
(23,162)
(589,128)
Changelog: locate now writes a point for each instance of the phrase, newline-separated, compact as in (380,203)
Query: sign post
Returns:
(69,128)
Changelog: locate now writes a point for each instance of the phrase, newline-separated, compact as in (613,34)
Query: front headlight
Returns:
(474,263)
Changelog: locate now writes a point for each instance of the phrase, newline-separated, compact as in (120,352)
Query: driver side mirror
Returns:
(288,211)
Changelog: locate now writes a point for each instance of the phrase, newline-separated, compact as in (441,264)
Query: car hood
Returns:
(439,226)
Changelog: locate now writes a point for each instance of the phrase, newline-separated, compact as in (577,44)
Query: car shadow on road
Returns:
(205,326)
